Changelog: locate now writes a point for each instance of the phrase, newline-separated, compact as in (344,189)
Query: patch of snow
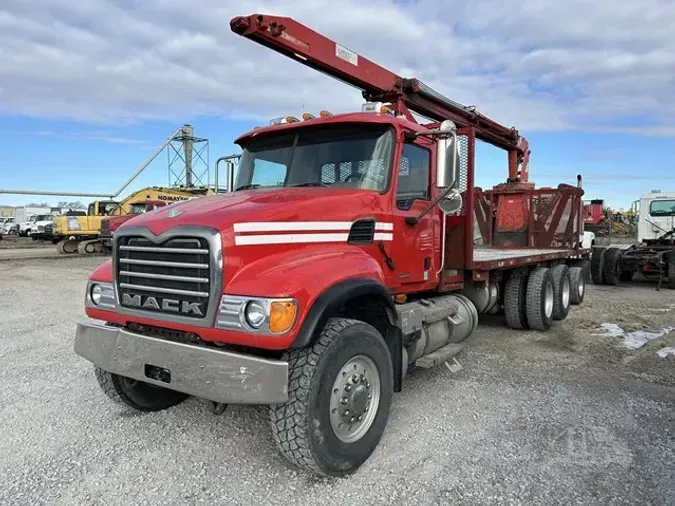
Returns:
(666,351)
(636,339)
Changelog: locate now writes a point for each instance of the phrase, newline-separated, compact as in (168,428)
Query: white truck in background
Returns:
(35,224)
(653,256)
(8,225)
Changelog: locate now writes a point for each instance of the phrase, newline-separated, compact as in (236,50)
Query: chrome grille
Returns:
(170,278)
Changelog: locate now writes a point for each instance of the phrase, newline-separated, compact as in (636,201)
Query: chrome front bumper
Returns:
(200,371)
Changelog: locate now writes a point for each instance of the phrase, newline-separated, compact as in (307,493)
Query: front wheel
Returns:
(339,396)
(139,395)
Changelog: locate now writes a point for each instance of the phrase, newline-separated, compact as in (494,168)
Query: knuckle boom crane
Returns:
(292,39)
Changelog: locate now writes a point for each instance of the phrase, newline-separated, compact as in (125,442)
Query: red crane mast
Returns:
(297,41)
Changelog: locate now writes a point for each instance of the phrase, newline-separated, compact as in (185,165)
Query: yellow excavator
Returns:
(81,234)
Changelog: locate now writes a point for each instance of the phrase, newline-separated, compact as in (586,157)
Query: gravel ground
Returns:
(559,417)
(15,241)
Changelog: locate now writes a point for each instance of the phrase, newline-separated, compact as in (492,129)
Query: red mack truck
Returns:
(351,248)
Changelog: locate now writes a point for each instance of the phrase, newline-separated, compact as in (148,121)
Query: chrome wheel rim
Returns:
(354,399)
(566,292)
(581,286)
(548,300)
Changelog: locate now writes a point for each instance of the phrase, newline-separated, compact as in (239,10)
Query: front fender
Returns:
(305,274)
(103,273)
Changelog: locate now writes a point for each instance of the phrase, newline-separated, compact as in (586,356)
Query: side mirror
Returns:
(447,158)
(447,170)
(452,203)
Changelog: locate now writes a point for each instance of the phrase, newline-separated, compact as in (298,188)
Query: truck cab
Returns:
(9,225)
(35,224)
(657,216)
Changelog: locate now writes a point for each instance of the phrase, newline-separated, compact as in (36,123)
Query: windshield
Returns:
(43,217)
(346,156)
(662,208)
(107,208)
(139,208)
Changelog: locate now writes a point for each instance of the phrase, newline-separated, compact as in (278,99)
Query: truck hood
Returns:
(41,223)
(263,205)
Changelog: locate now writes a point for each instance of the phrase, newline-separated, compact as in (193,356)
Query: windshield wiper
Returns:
(308,183)
(251,186)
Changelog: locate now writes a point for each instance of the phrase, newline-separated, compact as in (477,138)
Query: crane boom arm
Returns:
(293,39)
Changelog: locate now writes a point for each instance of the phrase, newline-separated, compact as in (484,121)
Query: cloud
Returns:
(573,65)
(78,136)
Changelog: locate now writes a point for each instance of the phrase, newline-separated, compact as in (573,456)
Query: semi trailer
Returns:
(353,247)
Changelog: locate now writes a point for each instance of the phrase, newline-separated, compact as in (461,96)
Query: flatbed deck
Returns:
(496,258)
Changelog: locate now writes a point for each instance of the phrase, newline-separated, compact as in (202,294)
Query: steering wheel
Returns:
(354,174)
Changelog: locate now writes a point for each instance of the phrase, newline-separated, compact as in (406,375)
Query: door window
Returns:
(413,176)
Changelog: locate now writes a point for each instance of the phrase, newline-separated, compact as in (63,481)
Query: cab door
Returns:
(415,249)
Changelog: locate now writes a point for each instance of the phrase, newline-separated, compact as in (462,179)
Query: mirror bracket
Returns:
(413,220)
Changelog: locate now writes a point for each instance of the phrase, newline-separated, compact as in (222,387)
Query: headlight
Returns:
(255,314)
(96,293)
(258,315)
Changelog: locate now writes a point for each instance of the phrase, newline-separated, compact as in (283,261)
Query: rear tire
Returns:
(315,429)
(598,265)
(540,297)
(626,276)
(578,285)
(612,268)
(137,394)
(515,295)
(562,289)
(671,270)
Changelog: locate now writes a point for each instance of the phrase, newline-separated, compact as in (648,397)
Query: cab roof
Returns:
(336,119)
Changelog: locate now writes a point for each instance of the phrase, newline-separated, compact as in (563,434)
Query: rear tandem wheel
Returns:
(598,264)
(562,286)
(540,297)
(578,285)
(515,295)
(612,269)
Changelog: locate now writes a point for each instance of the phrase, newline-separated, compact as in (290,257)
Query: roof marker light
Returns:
(307,116)
(283,120)
(377,107)
(372,107)
(324,113)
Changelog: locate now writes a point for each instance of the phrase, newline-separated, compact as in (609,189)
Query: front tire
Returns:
(334,418)
(137,394)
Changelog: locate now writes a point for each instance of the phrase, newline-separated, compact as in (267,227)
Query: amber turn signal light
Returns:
(282,316)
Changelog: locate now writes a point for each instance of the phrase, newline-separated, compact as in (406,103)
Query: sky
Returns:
(89,90)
